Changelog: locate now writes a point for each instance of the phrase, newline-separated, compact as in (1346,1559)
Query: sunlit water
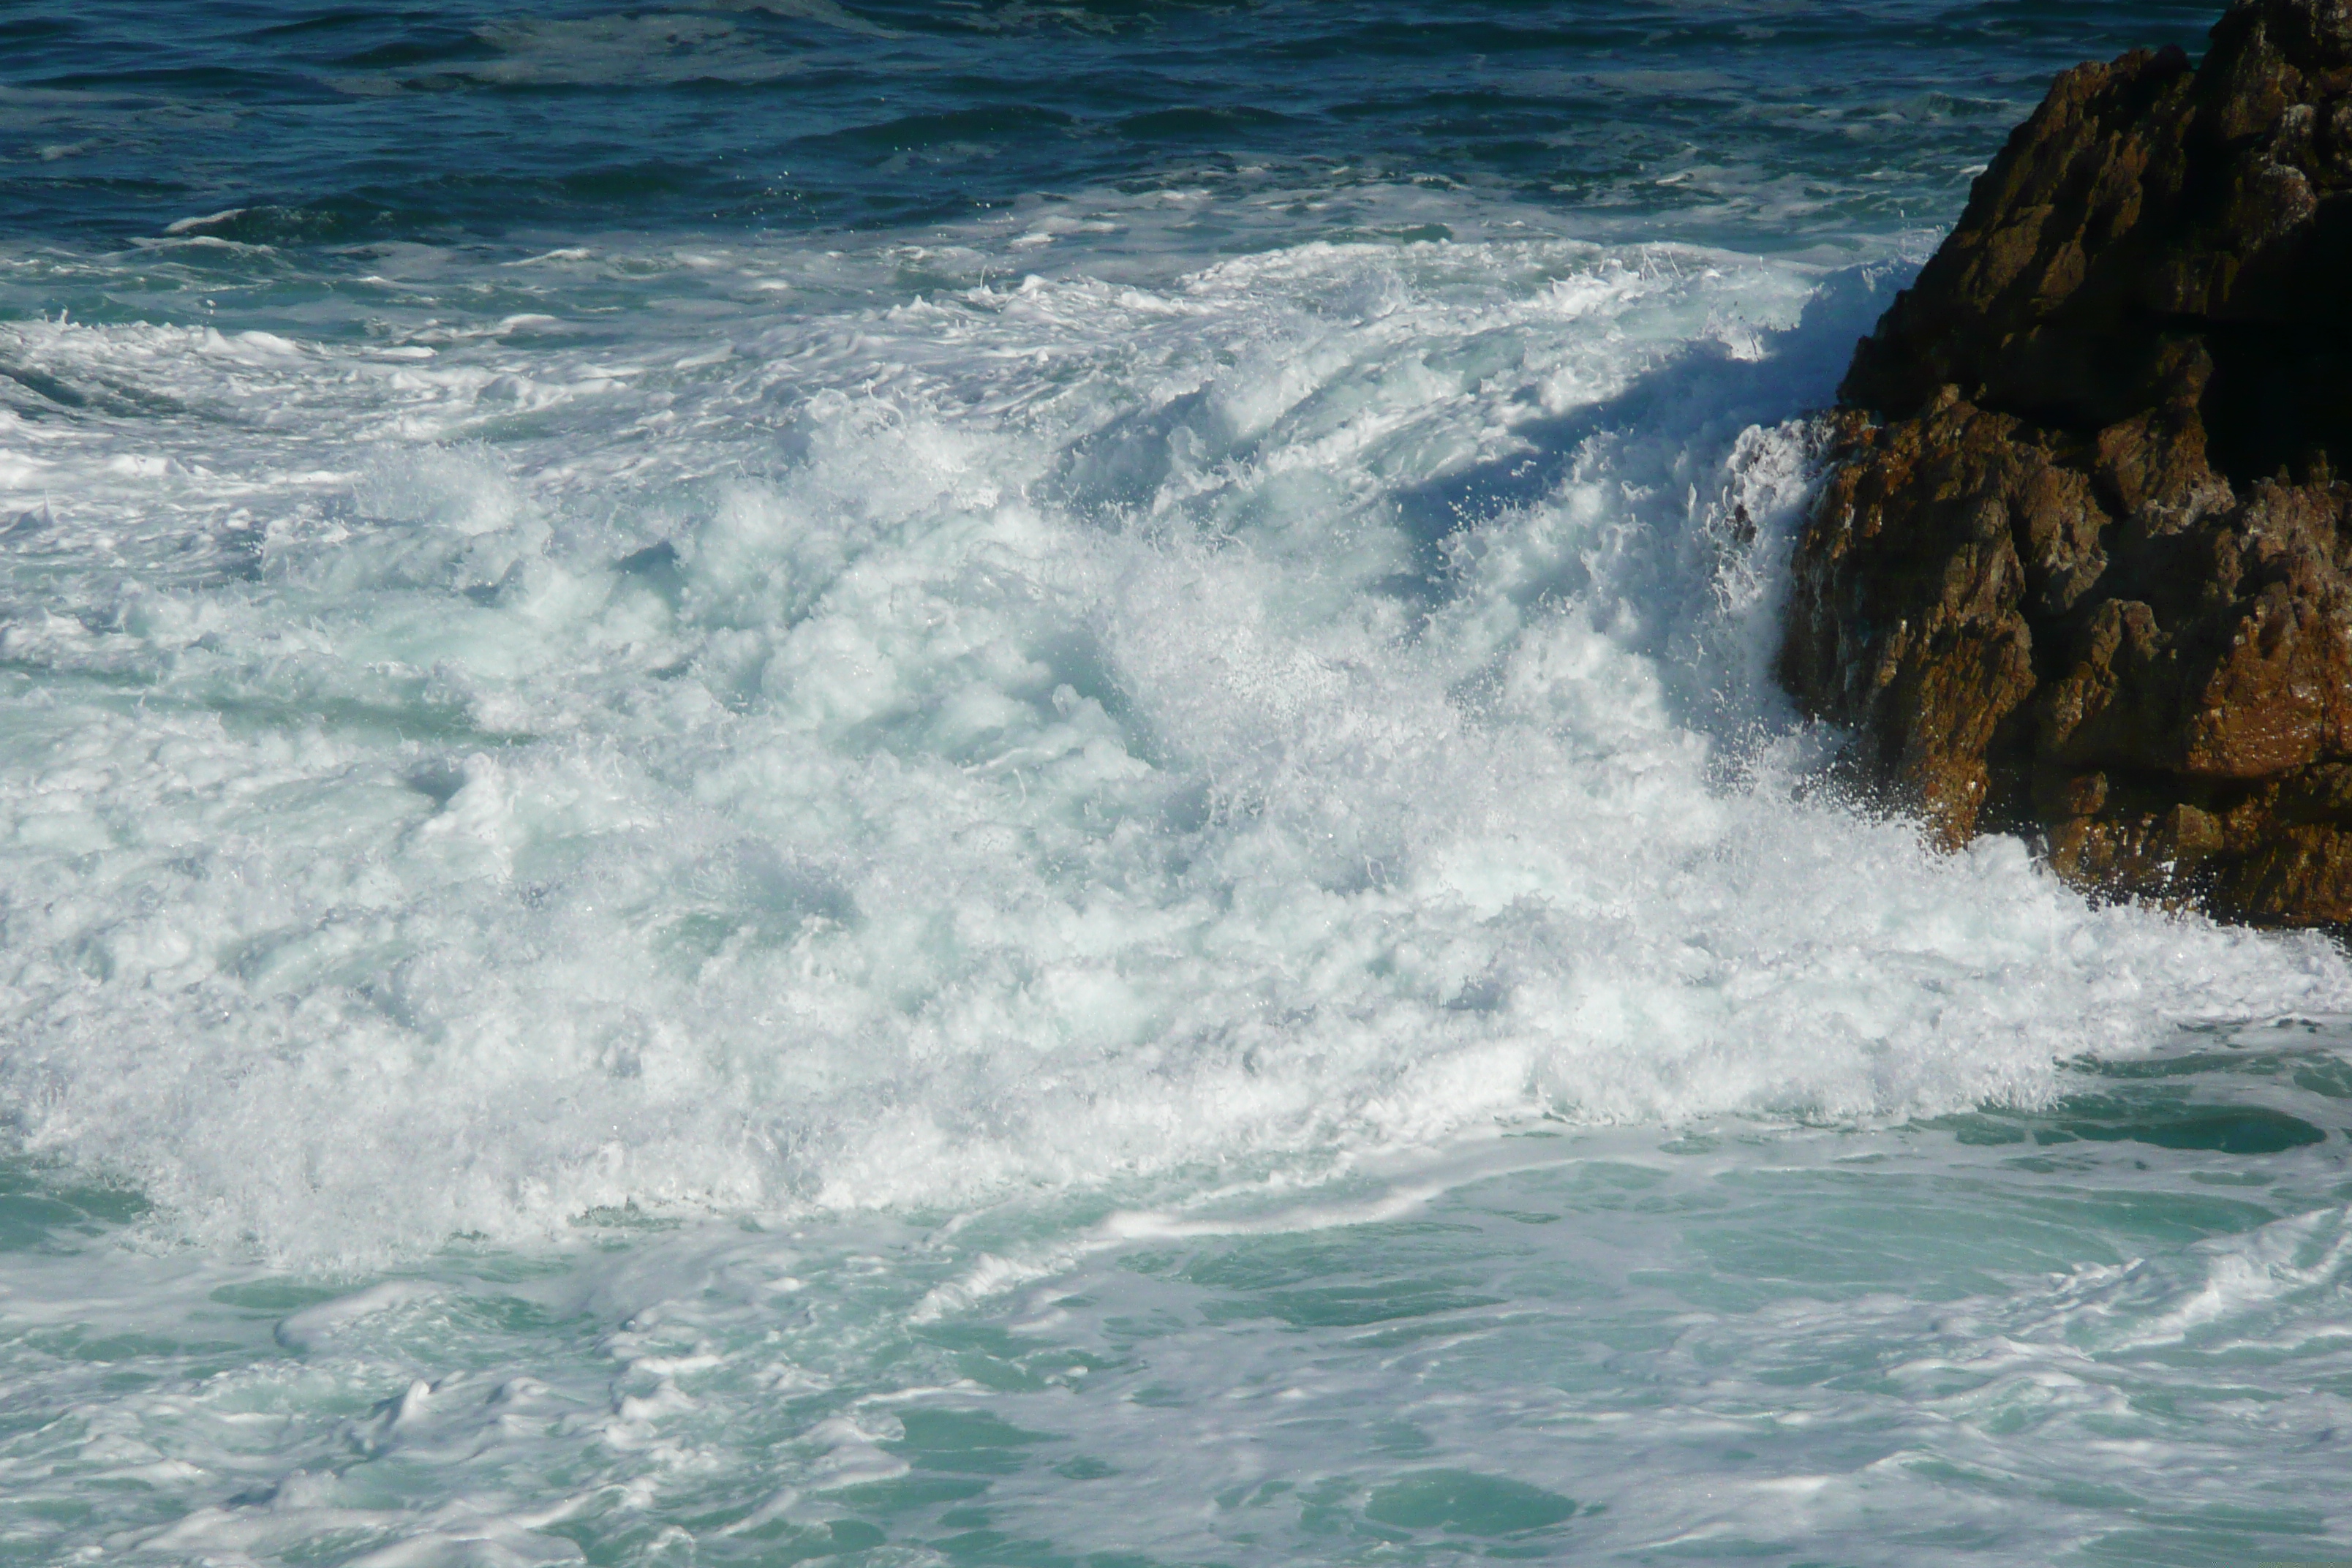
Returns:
(1000,784)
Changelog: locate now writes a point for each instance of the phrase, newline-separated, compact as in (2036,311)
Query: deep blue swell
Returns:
(330,124)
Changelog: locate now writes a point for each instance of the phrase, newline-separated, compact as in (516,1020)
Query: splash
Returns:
(1016,737)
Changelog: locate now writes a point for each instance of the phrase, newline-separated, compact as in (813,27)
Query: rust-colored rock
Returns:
(2083,565)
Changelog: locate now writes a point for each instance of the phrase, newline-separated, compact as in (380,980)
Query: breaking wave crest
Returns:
(1052,735)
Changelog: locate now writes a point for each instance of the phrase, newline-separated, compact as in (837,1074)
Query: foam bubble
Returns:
(1008,739)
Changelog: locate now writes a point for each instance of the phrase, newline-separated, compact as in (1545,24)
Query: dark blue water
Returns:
(1766,121)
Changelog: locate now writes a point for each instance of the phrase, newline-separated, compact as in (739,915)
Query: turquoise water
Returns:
(998,784)
(2111,1332)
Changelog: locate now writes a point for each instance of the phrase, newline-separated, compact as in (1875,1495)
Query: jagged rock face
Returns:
(2083,565)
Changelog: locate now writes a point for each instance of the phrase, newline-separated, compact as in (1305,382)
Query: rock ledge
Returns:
(2083,565)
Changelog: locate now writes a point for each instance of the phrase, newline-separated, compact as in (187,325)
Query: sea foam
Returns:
(1049,734)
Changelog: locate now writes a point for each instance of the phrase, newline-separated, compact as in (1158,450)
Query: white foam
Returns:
(1023,738)
(328,1320)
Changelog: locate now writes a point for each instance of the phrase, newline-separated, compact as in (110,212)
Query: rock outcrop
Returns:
(2083,566)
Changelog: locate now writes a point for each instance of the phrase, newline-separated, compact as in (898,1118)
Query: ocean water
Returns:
(997,782)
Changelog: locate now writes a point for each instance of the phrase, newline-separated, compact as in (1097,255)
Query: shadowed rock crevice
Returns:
(2084,565)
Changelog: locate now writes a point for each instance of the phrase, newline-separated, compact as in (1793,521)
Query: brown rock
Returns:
(2083,565)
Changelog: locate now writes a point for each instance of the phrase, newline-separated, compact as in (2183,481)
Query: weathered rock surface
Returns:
(2083,566)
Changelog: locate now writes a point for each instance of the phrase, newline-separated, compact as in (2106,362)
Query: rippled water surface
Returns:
(999,784)
(1779,122)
